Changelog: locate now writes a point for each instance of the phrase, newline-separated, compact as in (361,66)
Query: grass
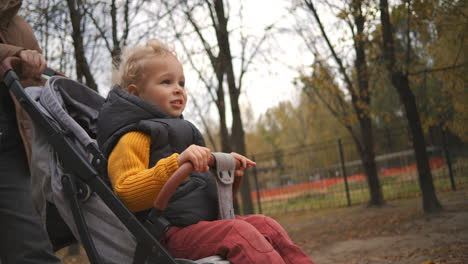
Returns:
(397,186)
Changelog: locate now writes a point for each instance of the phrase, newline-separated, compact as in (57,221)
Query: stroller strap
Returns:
(224,172)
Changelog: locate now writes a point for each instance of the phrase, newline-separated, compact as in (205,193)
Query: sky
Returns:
(272,83)
(270,79)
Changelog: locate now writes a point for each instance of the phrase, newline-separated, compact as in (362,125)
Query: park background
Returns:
(350,108)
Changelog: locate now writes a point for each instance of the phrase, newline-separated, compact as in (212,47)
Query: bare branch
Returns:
(205,124)
(347,79)
(99,28)
(127,23)
(246,63)
(113,14)
(207,47)
(447,68)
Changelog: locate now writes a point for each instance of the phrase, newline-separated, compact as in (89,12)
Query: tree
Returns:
(50,21)
(123,17)
(216,46)
(288,125)
(82,67)
(400,82)
(443,31)
(214,83)
(360,94)
(113,42)
(97,27)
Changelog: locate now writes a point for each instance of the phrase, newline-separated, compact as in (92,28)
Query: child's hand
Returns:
(198,156)
(244,162)
(239,173)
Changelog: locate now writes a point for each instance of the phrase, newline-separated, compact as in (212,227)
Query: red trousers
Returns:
(247,239)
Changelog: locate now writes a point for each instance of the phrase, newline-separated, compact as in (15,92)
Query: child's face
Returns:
(163,84)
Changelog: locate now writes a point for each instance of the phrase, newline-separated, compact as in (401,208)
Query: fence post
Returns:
(447,158)
(343,171)
(257,188)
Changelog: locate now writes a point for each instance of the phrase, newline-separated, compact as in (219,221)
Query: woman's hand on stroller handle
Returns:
(33,63)
(10,63)
(16,64)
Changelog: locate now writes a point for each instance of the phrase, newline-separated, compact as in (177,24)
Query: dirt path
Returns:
(397,233)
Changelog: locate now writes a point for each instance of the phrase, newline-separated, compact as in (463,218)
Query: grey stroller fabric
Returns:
(74,108)
(60,100)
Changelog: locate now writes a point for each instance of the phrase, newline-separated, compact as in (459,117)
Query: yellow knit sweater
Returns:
(133,181)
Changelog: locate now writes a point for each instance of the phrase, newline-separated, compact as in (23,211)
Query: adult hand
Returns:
(33,64)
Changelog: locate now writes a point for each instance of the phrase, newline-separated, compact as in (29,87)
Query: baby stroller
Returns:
(73,199)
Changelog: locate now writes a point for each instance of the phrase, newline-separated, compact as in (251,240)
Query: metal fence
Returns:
(332,175)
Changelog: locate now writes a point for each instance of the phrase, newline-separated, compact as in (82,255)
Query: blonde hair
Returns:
(133,61)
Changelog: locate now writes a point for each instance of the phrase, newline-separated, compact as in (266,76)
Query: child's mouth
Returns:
(177,103)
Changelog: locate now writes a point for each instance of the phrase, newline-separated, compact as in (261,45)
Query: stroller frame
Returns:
(82,171)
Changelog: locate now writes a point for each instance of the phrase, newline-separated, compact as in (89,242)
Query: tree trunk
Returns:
(82,66)
(237,132)
(368,161)
(220,103)
(238,144)
(361,103)
(116,41)
(430,202)
(360,99)
(223,130)
(401,83)
(116,56)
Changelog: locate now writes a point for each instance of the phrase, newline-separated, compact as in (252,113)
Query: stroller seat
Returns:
(69,193)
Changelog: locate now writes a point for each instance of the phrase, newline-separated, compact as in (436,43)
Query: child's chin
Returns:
(175,114)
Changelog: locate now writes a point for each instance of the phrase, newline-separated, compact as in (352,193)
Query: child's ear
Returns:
(133,89)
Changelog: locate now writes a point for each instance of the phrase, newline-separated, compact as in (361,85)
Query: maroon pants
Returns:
(247,239)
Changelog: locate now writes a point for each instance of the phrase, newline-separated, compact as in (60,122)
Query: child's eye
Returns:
(166,82)
(182,84)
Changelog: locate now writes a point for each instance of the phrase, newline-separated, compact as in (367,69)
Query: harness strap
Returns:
(225,168)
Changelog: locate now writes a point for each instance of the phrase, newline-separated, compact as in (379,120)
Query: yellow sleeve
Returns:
(133,182)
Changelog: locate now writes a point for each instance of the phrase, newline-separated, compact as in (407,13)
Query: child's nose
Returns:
(178,89)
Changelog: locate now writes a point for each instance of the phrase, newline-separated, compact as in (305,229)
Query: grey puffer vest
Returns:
(196,199)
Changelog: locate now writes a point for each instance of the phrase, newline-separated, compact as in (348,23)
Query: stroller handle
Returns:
(10,63)
(179,176)
(14,63)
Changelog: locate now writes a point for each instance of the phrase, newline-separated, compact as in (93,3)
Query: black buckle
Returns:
(98,161)
(156,224)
